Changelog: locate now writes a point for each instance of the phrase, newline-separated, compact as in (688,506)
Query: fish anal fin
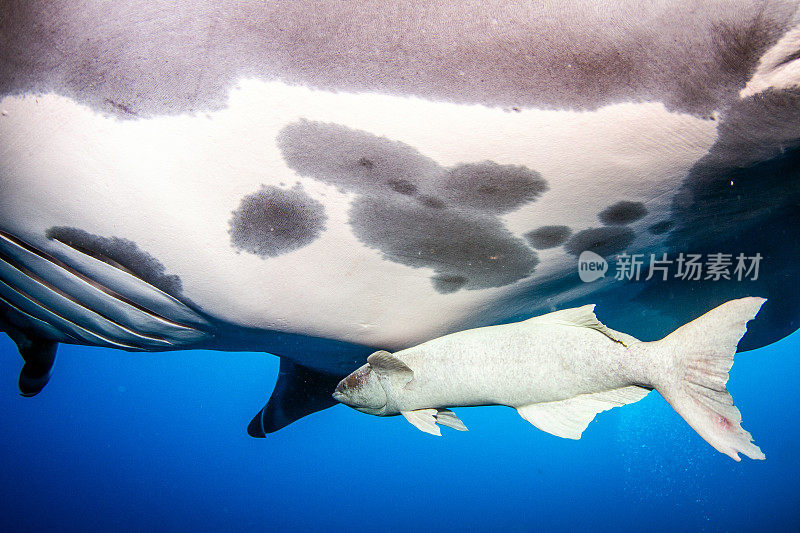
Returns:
(583,317)
(569,418)
(299,391)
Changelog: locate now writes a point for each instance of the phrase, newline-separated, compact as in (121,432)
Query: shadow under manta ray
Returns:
(322,198)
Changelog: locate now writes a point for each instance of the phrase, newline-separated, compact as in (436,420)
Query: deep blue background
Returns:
(129,442)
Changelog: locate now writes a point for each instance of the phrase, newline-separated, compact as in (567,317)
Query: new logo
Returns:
(591,266)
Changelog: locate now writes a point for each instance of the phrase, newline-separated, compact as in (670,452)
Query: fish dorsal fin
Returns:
(390,367)
(583,317)
(569,418)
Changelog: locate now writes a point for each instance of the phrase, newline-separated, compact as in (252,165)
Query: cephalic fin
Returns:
(426,419)
(39,354)
(298,392)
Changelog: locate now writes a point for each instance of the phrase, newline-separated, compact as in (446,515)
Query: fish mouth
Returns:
(342,398)
(338,394)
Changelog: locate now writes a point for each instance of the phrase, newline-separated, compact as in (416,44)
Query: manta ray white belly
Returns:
(193,192)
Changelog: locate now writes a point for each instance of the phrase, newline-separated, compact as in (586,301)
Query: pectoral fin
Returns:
(426,420)
(387,366)
(423,420)
(569,418)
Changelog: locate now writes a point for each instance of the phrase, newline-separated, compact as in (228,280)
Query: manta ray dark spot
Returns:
(623,212)
(548,236)
(447,283)
(659,228)
(357,161)
(121,253)
(471,252)
(352,160)
(491,187)
(417,212)
(602,241)
(273,221)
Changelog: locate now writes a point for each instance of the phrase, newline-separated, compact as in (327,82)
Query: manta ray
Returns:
(320,180)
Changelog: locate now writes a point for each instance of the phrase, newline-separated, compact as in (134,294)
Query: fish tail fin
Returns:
(696,359)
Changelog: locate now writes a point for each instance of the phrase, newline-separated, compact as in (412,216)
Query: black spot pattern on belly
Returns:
(603,241)
(352,160)
(491,187)
(548,236)
(623,212)
(121,253)
(465,249)
(417,212)
(273,221)
(614,237)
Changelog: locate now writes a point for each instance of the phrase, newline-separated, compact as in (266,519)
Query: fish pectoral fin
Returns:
(446,417)
(423,420)
(387,366)
(583,317)
(569,418)
(426,420)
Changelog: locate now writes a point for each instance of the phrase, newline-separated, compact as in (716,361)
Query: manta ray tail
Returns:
(299,391)
(698,357)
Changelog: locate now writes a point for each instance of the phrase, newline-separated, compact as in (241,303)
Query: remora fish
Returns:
(561,369)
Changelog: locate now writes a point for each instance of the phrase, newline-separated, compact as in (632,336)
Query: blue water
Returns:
(132,442)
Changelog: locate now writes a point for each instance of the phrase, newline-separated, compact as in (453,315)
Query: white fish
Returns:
(559,370)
